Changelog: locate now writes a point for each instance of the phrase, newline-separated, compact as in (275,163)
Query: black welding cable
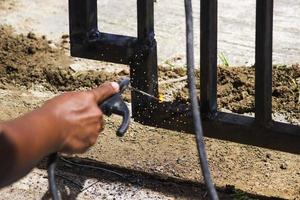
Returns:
(194,101)
(52,160)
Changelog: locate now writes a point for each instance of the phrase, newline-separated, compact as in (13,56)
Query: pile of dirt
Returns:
(236,88)
(28,60)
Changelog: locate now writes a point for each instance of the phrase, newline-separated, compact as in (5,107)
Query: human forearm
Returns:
(26,140)
(69,123)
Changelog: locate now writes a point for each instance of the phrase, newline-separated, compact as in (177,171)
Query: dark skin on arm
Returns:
(69,123)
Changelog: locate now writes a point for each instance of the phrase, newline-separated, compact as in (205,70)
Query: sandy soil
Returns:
(33,70)
(236,25)
(145,149)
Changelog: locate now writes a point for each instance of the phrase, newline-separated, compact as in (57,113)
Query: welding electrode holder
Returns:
(116,105)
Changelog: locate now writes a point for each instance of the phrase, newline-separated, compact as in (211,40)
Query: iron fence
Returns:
(140,53)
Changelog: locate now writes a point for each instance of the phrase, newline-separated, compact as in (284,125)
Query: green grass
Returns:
(169,64)
(224,59)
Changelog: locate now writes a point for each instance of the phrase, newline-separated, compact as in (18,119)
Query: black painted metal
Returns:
(263,62)
(109,47)
(225,126)
(143,69)
(88,42)
(140,53)
(208,62)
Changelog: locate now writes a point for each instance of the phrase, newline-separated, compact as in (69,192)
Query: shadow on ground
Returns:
(75,177)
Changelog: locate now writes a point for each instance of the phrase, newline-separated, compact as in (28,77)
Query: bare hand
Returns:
(77,117)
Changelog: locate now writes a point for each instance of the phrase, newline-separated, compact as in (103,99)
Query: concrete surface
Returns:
(35,186)
(236,25)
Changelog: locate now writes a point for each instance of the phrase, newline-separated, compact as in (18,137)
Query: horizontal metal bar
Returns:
(225,126)
(86,40)
(108,47)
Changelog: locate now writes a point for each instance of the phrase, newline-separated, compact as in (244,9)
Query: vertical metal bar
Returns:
(148,68)
(263,62)
(82,19)
(143,68)
(145,17)
(208,56)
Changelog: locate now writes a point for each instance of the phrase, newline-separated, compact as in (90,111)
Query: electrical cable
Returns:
(92,167)
(194,101)
(52,161)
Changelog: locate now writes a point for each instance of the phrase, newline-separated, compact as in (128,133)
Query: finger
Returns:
(106,90)
(92,141)
(102,125)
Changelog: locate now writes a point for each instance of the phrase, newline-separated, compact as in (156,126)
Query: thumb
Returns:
(105,90)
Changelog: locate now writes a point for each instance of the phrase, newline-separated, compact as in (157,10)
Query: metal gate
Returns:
(140,53)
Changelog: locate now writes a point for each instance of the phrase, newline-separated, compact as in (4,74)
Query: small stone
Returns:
(124,72)
(230,189)
(31,50)
(52,46)
(65,41)
(268,155)
(31,35)
(65,36)
(283,165)
(180,161)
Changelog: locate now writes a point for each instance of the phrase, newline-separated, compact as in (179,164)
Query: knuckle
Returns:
(90,95)
(100,127)
(97,126)
(98,112)
(79,148)
(106,86)
(106,83)
(93,141)
(102,124)
(82,150)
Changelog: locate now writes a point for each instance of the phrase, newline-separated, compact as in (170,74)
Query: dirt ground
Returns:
(29,61)
(236,25)
(33,69)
